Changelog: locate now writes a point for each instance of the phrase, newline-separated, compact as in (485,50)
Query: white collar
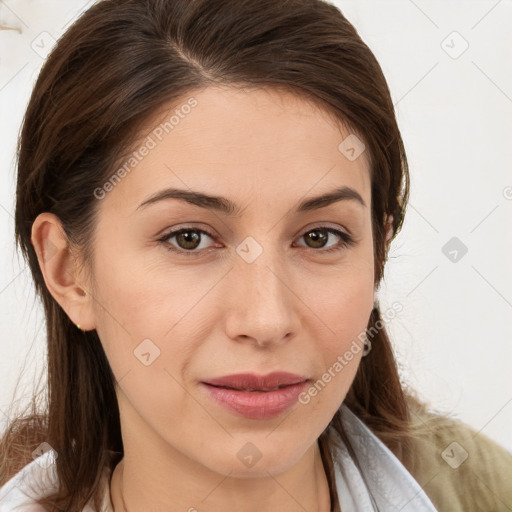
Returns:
(383,484)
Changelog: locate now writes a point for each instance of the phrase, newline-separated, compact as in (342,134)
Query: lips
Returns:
(253,382)
(253,396)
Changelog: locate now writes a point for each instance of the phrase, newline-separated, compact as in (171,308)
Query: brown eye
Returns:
(317,238)
(188,240)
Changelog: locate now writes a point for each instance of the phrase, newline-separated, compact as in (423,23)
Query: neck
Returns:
(309,492)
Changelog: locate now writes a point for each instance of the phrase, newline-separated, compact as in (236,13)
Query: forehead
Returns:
(272,142)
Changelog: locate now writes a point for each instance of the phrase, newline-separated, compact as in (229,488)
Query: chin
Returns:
(256,460)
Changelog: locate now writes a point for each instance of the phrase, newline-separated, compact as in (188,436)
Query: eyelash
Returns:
(346,240)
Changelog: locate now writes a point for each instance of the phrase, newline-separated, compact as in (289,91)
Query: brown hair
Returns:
(109,73)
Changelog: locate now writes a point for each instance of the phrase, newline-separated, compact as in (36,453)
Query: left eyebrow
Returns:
(231,209)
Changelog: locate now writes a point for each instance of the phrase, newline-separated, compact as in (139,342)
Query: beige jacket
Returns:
(458,468)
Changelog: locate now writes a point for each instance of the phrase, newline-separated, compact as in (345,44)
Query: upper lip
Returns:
(253,381)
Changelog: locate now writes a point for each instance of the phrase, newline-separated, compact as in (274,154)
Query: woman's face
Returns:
(245,289)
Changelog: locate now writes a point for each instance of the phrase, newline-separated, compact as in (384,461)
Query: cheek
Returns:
(341,354)
(342,296)
(146,323)
(134,317)
(343,305)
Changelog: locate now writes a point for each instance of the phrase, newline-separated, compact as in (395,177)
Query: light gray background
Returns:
(453,337)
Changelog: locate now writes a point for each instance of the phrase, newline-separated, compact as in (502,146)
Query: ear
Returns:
(389,228)
(60,270)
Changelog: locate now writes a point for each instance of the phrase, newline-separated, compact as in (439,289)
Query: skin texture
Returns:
(294,308)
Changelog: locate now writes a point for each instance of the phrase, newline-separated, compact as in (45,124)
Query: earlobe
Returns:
(389,228)
(59,270)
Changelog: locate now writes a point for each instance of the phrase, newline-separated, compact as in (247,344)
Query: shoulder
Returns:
(39,479)
(21,491)
(459,468)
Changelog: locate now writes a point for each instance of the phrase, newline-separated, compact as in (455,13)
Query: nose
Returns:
(263,303)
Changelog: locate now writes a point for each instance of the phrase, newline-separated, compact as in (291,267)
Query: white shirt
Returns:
(382,484)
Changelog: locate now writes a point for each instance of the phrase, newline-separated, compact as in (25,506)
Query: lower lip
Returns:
(256,404)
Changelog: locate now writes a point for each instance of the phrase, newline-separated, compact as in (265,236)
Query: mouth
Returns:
(256,403)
